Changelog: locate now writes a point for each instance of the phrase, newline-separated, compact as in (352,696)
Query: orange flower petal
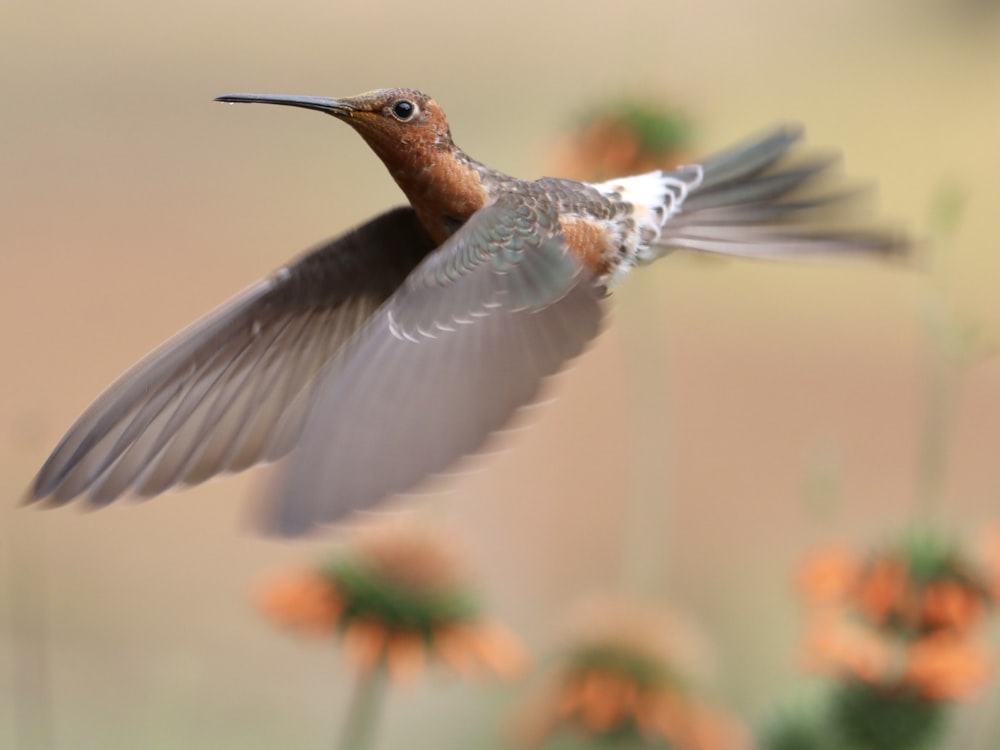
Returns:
(944,667)
(499,649)
(406,656)
(882,590)
(689,725)
(647,713)
(834,645)
(713,730)
(950,605)
(601,704)
(453,644)
(364,642)
(664,715)
(306,601)
(828,576)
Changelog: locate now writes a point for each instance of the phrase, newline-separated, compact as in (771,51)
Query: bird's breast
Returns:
(444,191)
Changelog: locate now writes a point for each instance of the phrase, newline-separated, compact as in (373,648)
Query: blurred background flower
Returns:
(626,675)
(898,631)
(397,597)
(623,136)
(907,615)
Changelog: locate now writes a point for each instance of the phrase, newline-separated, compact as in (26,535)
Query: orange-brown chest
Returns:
(443,188)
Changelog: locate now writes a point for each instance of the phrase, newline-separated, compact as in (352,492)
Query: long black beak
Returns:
(335,107)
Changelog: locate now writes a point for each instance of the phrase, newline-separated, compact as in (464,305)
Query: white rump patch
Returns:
(655,197)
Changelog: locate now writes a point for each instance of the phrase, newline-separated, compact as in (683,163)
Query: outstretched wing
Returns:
(465,342)
(233,389)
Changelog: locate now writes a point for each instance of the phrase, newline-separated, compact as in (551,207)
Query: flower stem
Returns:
(951,342)
(934,451)
(359,729)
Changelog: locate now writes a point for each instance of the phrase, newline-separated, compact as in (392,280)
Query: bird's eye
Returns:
(404,110)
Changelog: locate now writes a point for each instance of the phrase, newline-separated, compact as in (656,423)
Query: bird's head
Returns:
(397,123)
(409,133)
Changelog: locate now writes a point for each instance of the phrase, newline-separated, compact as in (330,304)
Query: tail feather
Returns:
(750,157)
(761,243)
(756,189)
(770,213)
(759,200)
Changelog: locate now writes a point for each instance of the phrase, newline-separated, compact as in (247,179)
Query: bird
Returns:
(385,355)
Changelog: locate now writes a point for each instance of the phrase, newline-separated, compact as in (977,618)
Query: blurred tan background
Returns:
(130,203)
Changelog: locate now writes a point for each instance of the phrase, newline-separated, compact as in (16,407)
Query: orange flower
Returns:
(950,605)
(882,590)
(943,667)
(411,557)
(828,577)
(919,601)
(600,700)
(706,729)
(623,675)
(468,648)
(397,598)
(665,715)
(603,703)
(365,642)
(840,647)
(621,138)
(305,601)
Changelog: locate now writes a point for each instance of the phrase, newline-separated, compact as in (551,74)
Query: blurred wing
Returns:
(758,200)
(465,342)
(233,389)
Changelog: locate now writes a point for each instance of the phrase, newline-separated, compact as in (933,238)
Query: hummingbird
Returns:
(387,354)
